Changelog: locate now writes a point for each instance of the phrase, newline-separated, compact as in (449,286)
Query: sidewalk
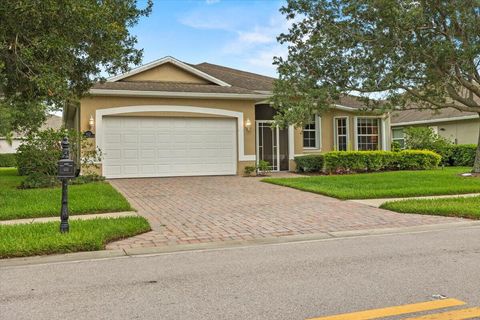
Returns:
(376,203)
(74,217)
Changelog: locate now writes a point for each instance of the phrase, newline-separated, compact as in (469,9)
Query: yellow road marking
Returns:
(451,315)
(395,311)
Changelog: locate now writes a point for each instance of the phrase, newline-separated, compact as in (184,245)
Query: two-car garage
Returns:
(168,146)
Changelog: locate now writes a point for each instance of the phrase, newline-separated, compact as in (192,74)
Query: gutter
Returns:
(173,94)
(406,123)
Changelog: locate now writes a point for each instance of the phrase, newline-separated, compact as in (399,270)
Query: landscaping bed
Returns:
(386,184)
(463,207)
(98,197)
(87,235)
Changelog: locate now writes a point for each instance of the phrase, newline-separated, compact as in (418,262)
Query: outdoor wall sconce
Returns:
(248,124)
(91,123)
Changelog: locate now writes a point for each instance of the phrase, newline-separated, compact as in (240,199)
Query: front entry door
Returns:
(272,145)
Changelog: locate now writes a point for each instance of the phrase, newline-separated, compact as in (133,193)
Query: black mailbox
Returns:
(66,169)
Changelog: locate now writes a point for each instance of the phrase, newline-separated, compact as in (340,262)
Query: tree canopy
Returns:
(412,53)
(52,51)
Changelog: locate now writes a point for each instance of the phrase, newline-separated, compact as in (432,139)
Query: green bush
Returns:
(309,163)
(40,151)
(424,138)
(418,160)
(462,155)
(371,161)
(264,167)
(359,161)
(7,160)
(248,170)
(39,180)
(88,178)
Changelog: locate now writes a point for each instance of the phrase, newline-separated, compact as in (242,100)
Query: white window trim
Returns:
(335,132)
(396,139)
(382,136)
(318,135)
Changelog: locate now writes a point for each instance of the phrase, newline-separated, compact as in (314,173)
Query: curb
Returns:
(73,217)
(152,251)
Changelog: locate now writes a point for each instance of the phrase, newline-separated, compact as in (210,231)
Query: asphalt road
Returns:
(282,281)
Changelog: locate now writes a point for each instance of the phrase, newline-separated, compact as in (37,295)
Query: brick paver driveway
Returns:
(187,210)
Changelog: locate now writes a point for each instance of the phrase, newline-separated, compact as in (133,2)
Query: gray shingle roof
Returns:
(413,115)
(170,87)
(239,78)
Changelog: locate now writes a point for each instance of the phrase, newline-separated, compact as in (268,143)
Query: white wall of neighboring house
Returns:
(458,132)
(461,132)
(5,147)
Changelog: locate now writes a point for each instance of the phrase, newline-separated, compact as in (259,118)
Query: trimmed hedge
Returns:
(418,159)
(309,163)
(462,155)
(8,160)
(360,161)
(371,161)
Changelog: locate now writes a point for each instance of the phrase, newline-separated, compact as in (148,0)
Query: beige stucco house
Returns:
(171,118)
(457,126)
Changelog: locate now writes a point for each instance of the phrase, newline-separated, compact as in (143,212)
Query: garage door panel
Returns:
(156,147)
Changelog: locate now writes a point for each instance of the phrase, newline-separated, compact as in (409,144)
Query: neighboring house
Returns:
(53,122)
(459,127)
(170,118)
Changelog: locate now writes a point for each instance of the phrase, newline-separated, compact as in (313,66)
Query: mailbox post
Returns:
(66,170)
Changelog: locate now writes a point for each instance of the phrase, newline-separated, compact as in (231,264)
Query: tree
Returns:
(421,54)
(52,51)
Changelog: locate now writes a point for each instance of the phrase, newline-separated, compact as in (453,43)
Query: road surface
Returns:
(282,281)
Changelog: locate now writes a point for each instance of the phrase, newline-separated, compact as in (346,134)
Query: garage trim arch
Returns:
(174,108)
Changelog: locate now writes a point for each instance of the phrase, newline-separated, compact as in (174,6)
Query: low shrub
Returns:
(39,180)
(88,178)
(462,155)
(372,161)
(40,151)
(309,163)
(248,170)
(418,160)
(424,138)
(360,161)
(7,160)
(264,167)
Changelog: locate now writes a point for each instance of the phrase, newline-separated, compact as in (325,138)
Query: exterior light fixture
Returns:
(91,123)
(248,124)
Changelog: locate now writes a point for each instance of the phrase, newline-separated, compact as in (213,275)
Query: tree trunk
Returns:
(476,164)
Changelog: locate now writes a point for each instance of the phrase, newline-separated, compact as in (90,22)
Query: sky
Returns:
(236,33)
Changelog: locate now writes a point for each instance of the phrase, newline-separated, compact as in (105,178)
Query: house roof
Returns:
(170,87)
(239,78)
(172,60)
(222,82)
(414,116)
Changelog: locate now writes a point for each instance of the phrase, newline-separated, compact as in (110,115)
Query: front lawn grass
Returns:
(88,235)
(463,207)
(386,184)
(98,197)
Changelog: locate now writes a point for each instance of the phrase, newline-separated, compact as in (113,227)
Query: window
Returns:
(341,134)
(398,137)
(368,134)
(311,134)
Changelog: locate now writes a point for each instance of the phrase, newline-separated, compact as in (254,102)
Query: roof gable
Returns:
(171,70)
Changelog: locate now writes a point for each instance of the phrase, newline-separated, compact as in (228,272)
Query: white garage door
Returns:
(163,147)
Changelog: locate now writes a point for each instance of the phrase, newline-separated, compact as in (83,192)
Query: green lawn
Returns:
(386,184)
(45,238)
(467,207)
(33,203)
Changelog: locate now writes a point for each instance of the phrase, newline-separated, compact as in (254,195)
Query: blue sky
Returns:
(236,33)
